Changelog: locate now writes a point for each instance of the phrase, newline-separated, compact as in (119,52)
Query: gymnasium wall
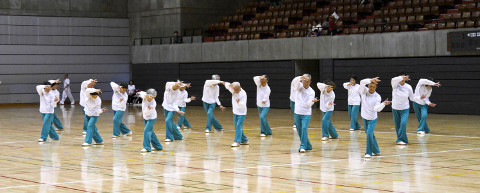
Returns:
(34,49)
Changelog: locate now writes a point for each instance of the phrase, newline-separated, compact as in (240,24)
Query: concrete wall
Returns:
(404,44)
(65,8)
(34,49)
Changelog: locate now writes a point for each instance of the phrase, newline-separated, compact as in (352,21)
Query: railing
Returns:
(166,40)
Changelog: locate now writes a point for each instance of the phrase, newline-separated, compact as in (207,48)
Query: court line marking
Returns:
(233,169)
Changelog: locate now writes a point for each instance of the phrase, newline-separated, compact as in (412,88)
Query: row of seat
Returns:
(417,3)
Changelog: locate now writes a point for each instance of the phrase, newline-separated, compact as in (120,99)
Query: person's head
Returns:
(175,33)
(402,73)
(151,94)
(236,87)
(353,79)
(92,83)
(306,80)
(47,86)
(264,80)
(307,76)
(431,79)
(65,76)
(53,85)
(130,82)
(330,85)
(315,22)
(176,86)
(183,88)
(123,87)
(372,87)
(94,95)
(215,77)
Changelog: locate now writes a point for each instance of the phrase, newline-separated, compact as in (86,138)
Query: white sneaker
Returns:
(168,140)
(84,133)
(401,143)
(262,135)
(352,129)
(244,143)
(86,144)
(178,127)
(41,140)
(115,136)
(421,132)
(375,154)
(207,131)
(368,156)
(98,143)
(144,150)
(61,103)
(324,138)
(294,126)
(129,133)
(302,151)
(235,144)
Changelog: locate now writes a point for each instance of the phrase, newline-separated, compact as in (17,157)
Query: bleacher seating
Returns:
(294,18)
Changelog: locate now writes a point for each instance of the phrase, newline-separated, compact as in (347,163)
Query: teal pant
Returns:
(182,120)
(327,126)
(85,122)
(56,121)
(372,145)
(211,120)
(47,128)
(302,122)
(421,111)
(149,136)
(92,130)
(118,126)
(240,136)
(171,130)
(353,113)
(264,126)
(292,107)
(400,118)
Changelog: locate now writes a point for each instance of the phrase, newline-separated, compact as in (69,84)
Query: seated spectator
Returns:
(316,29)
(176,39)
(131,92)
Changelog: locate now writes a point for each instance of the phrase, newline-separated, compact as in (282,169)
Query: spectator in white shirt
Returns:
(263,103)
(67,91)
(119,105)
(93,109)
(423,91)
(170,106)
(131,92)
(293,92)
(327,97)
(239,105)
(90,83)
(54,85)
(211,91)
(401,92)
(182,105)
(47,104)
(149,116)
(353,102)
(371,104)
(304,99)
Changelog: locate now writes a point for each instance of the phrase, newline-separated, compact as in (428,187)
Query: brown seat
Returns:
(461,7)
(392,12)
(432,2)
(419,20)
(346,31)
(402,19)
(386,12)
(466,15)
(395,28)
(377,13)
(404,27)
(296,34)
(435,10)
(415,3)
(476,14)
(256,36)
(408,11)
(394,19)
(362,30)
(411,19)
(424,3)
(354,30)
(470,24)
(441,25)
(417,11)
(450,25)
(370,22)
(378,29)
(425,10)
(471,7)
(432,26)
(406,4)
(456,16)
(461,24)
(370,29)
(255,23)
(387,28)
(353,8)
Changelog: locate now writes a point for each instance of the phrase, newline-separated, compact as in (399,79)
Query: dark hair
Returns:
(131,81)
(53,84)
(330,83)
(175,32)
(354,77)
(123,85)
(46,83)
(66,74)
(402,73)
(266,77)
(94,93)
(316,21)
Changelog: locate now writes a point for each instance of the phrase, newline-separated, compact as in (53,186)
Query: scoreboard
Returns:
(460,41)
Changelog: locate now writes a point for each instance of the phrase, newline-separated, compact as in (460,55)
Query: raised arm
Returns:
(169,86)
(256,79)
(115,87)
(346,85)
(362,89)
(296,83)
(424,82)
(321,86)
(396,80)
(85,83)
(89,91)
(229,87)
(211,83)
(142,94)
(40,89)
(378,104)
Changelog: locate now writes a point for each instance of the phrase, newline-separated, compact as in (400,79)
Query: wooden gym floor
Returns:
(447,160)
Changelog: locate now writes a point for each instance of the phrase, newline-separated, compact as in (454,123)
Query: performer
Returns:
(56,121)
(211,91)
(90,83)
(401,92)
(66,91)
(149,116)
(293,92)
(423,91)
(327,97)
(182,104)
(119,104)
(304,99)
(353,102)
(239,105)
(170,106)
(263,103)
(93,109)
(47,104)
(371,104)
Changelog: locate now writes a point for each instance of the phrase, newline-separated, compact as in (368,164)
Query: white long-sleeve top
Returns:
(183,99)
(131,89)
(326,98)
(303,99)
(401,94)
(211,92)
(93,107)
(47,100)
(293,88)
(151,113)
(170,97)
(83,87)
(239,108)
(371,103)
(263,93)
(421,89)
(55,91)
(353,96)
(118,105)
